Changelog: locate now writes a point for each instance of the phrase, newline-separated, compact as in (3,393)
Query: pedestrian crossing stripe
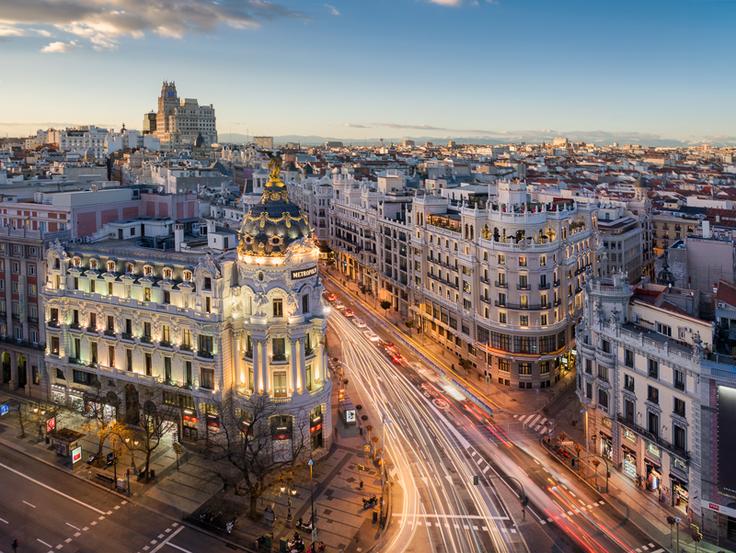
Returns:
(568,514)
(534,422)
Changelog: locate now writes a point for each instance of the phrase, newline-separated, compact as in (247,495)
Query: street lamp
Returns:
(290,491)
(386,421)
(310,463)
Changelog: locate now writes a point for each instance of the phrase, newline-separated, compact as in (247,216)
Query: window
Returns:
(543,263)
(75,318)
(664,329)
(279,384)
(186,338)
(110,324)
(149,364)
(629,410)
(93,352)
(504,365)
(629,358)
(588,366)
(308,377)
(110,266)
(207,283)
(653,423)
(305,303)
(588,390)
(167,297)
(278,307)
(147,331)
(147,270)
(109,289)
(92,322)
(629,382)
(652,394)
(603,373)
(81,377)
(524,320)
(679,407)
(187,275)
(128,328)
(652,368)
(129,359)
(208,304)
(165,334)
(167,274)
(205,345)
(501,259)
(207,378)
(188,372)
(525,368)
(167,369)
(522,261)
(502,299)
(606,346)
(603,399)
(678,378)
(54,316)
(279,349)
(146,294)
(92,286)
(111,356)
(31,269)
(678,437)
(55,345)
(502,317)
(543,319)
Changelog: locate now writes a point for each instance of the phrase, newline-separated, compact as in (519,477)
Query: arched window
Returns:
(147,270)
(111,266)
(93,264)
(130,268)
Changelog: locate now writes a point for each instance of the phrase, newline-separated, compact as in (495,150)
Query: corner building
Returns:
(195,328)
(500,284)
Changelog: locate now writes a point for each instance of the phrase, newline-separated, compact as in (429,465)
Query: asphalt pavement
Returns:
(48,510)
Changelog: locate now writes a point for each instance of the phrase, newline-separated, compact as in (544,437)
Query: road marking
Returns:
(60,546)
(3,521)
(68,540)
(39,540)
(71,526)
(70,498)
(85,528)
(101,517)
(116,507)
(167,540)
(77,534)
(109,513)
(160,536)
(93,523)
(167,530)
(178,547)
(31,505)
(660,550)
(466,517)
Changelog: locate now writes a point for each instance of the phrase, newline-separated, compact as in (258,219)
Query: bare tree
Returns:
(156,422)
(98,420)
(248,444)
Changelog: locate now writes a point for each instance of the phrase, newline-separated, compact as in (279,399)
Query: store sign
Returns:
(629,435)
(50,425)
(653,450)
(4,409)
(728,511)
(303,273)
(607,422)
(76,455)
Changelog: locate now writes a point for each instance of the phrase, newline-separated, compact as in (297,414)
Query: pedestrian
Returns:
(360,485)
(14,545)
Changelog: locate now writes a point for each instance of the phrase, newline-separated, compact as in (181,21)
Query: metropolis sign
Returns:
(303,273)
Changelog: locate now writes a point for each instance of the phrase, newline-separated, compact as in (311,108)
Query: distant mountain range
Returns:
(534,137)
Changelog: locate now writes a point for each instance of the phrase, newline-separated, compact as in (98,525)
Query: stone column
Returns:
(302,375)
(256,365)
(13,370)
(293,385)
(265,367)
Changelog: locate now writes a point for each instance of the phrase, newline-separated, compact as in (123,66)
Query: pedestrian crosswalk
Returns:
(649,548)
(535,423)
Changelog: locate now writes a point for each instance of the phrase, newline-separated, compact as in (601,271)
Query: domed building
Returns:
(196,329)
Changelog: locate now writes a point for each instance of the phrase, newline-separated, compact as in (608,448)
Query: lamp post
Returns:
(310,463)
(386,421)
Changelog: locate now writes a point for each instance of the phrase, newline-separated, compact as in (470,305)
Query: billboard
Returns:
(727,440)
(76,455)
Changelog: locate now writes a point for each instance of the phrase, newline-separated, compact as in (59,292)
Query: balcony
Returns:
(53,323)
(556,283)
(205,354)
(523,286)
(627,422)
(544,285)
(109,332)
(501,284)
(127,336)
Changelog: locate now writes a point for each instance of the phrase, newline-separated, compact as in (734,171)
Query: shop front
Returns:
(76,400)
(58,394)
(189,425)
(99,410)
(281,436)
(680,496)
(315,428)
(629,463)
(606,447)
(653,467)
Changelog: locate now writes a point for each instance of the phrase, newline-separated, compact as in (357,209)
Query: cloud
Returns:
(103,23)
(438,129)
(357,126)
(58,47)
(332,10)
(451,3)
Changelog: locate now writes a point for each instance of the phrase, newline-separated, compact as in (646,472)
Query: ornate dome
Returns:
(271,225)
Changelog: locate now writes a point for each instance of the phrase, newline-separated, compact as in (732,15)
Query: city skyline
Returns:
(349,70)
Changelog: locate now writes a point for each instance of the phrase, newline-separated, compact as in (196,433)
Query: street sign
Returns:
(4,409)
(76,454)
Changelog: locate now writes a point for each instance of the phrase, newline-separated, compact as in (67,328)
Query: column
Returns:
(293,384)
(13,370)
(302,376)
(265,367)
(257,366)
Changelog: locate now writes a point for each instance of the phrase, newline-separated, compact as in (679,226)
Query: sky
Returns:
(376,68)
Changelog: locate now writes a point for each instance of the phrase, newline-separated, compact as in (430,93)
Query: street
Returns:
(48,510)
(438,439)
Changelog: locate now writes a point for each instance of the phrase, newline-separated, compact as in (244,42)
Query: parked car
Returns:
(339,305)
(359,323)
(348,313)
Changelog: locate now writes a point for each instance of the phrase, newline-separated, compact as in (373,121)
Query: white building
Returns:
(195,328)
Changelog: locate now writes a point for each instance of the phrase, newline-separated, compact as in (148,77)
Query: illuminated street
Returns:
(438,440)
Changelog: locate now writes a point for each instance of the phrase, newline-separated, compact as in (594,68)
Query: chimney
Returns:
(706,228)
(178,236)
